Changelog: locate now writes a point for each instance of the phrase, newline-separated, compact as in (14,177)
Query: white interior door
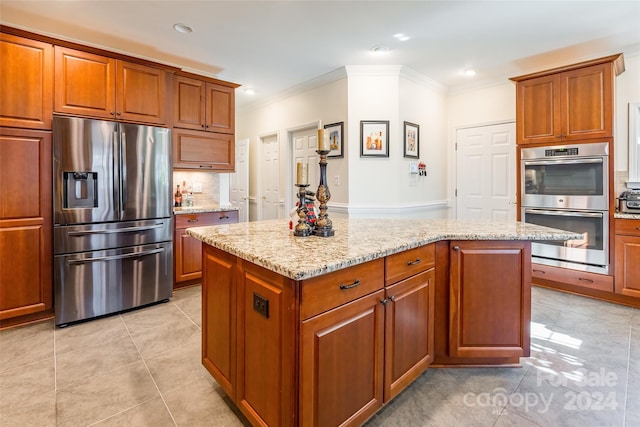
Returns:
(305,144)
(239,185)
(270,181)
(486,174)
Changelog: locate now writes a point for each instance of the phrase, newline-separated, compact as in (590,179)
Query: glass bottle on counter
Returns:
(177,198)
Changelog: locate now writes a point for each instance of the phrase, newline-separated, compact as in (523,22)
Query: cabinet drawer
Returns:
(207,218)
(630,227)
(331,290)
(405,264)
(599,282)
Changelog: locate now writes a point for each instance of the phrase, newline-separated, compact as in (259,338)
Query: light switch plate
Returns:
(197,187)
(413,167)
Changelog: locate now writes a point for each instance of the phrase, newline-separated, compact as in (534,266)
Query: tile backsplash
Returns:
(210,182)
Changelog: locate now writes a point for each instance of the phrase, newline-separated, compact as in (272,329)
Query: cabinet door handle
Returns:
(383,301)
(456,248)
(585,280)
(192,220)
(417,261)
(205,166)
(540,271)
(351,286)
(392,298)
(113,113)
(638,228)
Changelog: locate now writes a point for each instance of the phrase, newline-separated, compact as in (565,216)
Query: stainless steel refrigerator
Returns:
(112,217)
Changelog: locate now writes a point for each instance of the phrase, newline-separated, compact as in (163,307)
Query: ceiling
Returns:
(274,47)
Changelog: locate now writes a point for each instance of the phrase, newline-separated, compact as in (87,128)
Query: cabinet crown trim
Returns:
(617,60)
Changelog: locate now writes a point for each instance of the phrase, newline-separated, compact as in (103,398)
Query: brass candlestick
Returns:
(324,227)
(302,229)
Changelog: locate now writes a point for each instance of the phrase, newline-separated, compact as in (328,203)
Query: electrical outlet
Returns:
(197,187)
(261,305)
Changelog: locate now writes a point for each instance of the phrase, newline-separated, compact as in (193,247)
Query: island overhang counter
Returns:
(316,331)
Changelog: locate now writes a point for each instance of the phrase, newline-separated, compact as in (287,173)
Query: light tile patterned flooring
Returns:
(142,368)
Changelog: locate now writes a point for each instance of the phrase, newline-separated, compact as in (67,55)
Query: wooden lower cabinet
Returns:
(333,349)
(26,249)
(341,363)
(187,251)
(627,249)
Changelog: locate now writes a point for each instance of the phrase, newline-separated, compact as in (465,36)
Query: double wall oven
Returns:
(567,187)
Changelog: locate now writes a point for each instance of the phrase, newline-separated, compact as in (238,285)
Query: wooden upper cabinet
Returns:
(93,85)
(567,104)
(202,105)
(26,82)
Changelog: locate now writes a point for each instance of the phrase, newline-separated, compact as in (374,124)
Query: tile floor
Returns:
(142,368)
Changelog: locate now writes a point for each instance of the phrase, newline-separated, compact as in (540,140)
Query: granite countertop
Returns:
(272,245)
(620,215)
(203,209)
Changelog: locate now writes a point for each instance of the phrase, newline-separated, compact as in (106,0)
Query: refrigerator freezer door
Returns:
(83,171)
(92,284)
(145,187)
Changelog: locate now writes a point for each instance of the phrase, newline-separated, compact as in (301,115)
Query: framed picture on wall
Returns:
(374,138)
(334,132)
(411,140)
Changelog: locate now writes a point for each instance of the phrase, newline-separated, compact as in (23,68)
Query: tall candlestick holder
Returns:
(324,226)
(302,229)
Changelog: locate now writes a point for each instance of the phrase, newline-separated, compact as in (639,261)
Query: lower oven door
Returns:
(592,249)
(91,284)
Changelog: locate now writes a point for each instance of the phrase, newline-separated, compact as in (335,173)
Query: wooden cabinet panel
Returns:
(26,83)
(26,251)
(627,250)
(341,363)
(84,83)
(267,330)
(220,109)
(140,93)
(87,84)
(187,251)
(323,293)
(189,103)
(544,273)
(407,263)
(567,104)
(489,282)
(409,331)
(203,150)
(219,317)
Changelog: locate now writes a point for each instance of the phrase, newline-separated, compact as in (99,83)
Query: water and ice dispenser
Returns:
(80,190)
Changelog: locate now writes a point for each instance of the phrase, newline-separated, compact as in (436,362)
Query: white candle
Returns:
(302,173)
(319,124)
(322,142)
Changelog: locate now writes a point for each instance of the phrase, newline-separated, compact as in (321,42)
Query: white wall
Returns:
(627,90)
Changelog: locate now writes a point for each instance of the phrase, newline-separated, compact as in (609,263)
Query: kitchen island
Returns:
(315,331)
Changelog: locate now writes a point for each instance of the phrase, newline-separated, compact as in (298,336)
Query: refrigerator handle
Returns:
(123,173)
(116,171)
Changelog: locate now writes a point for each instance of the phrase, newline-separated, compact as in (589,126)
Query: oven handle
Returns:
(562,162)
(564,213)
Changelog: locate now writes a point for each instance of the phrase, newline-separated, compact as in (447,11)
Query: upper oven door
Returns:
(574,183)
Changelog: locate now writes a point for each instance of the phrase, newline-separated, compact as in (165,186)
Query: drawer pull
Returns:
(206,166)
(351,286)
(638,228)
(192,220)
(417,261)
(456,248)
(224,217)
(540,271)
(585,280)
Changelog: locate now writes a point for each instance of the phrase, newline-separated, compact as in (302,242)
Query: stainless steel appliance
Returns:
(567,187)
(112,217)
(629,201)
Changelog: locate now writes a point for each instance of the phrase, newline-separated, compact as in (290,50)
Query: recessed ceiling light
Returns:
(380,49)
(249,91)
(470,72)
(182,28)
(401,37)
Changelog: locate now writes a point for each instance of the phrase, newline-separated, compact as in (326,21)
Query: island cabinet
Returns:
(333,349)
(187,251)
(93,85)
(627,248)
(569,103)
(26,87)
(483,307)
